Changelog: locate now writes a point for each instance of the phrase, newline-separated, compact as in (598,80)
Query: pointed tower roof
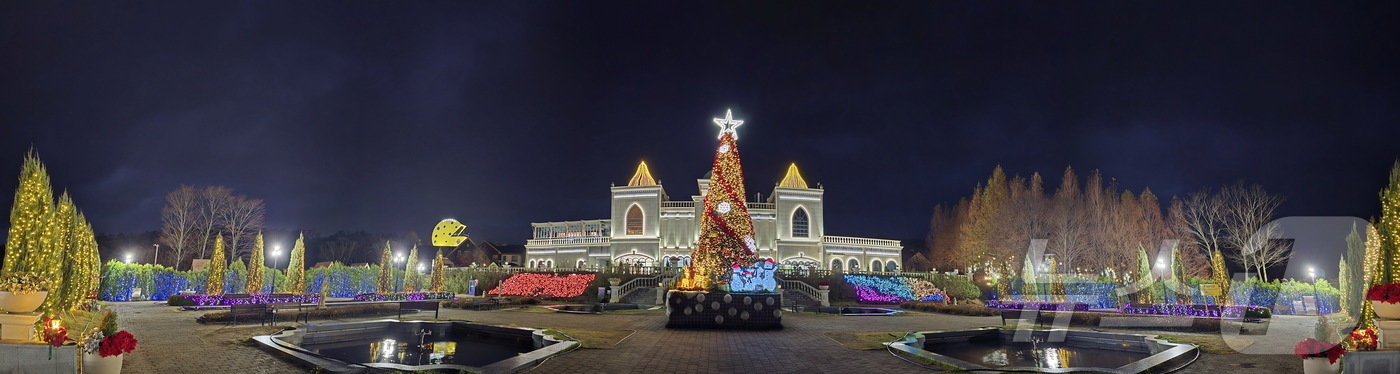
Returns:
(793,179)
(642,177)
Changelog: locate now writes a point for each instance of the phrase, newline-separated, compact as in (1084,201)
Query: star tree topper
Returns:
(728,124)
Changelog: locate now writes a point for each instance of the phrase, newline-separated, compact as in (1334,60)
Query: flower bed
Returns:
(1019,305)
(890,290)
(545,285)
(404,296)
(1197,310)
(217,300)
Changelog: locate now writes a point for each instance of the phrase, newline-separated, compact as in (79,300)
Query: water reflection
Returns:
(996,353)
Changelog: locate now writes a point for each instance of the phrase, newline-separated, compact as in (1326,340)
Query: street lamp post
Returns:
(1317,299)
(276,255)
(157,259)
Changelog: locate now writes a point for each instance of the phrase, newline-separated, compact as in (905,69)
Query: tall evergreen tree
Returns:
(92,260)
(27,247)
(410,278)
(1351,279)
(439,283)
(1370,270)
(1030,285)
(1180,285)
(296,266)
(386,270)
(1145,280)
(1221,275)
(726,230)
(61,224)
(1389,228)
(218,266)
(255,266)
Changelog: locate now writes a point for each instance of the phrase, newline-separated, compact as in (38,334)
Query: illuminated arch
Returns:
(853,265)
(877,266)
(890,266)
(836,264)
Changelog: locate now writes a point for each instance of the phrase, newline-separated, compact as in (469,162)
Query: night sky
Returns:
(388,115)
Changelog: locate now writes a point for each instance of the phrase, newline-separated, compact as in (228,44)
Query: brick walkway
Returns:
(171,342)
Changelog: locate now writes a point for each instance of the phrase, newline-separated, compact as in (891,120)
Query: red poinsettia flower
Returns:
(736,266)
(120,343)
(1314,348)
(1387,293)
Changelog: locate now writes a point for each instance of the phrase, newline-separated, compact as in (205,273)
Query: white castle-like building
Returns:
(647,228)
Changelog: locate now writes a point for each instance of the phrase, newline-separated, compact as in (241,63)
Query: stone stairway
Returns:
(642,296)
(794,298)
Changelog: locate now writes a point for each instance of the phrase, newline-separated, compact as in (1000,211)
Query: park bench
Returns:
(419,306)
(300,313)
(247,311)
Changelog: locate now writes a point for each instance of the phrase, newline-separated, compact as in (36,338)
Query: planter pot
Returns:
(615,282)
(21,303)
(1319,365)
(824,287)
(1386,310)
(94,363)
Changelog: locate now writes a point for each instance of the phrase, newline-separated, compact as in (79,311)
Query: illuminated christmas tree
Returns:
(410,278)
(1369,270)
(1389,228)
(255,267)
(62,222)
(1145,280)
(217,267)
(1221,276)
(439,273)
(296,267)
(386,271)
(87,275)
(27,248)
(726,231)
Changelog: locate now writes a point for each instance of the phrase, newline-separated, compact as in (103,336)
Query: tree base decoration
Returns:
(724,310)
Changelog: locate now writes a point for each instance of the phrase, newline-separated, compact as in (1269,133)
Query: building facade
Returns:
(647,228)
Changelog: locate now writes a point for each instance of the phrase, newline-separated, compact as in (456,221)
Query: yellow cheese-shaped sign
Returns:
(449,233)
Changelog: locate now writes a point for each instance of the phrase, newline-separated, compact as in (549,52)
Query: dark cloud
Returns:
(387,116)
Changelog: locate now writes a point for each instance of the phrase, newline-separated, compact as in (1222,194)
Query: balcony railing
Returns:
(677,204)
(864,242)
(595,240)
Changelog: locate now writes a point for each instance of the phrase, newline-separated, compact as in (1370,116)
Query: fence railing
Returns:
(800,287)
(570,241)
(847,240)
(639,283)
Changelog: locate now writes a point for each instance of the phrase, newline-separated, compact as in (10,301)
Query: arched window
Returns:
(890,266)
(800,223)
(854,265)
(532,263)
(836,265)
(580,264)
(875,266)
(634,220)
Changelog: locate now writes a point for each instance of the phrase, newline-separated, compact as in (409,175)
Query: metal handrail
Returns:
(801,287)
(639,283)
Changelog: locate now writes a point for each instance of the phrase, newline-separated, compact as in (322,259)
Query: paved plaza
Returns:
(171,342)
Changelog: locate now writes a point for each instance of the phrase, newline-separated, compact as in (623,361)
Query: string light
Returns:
(546,285)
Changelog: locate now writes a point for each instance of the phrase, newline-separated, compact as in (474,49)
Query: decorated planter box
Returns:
(724,310)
